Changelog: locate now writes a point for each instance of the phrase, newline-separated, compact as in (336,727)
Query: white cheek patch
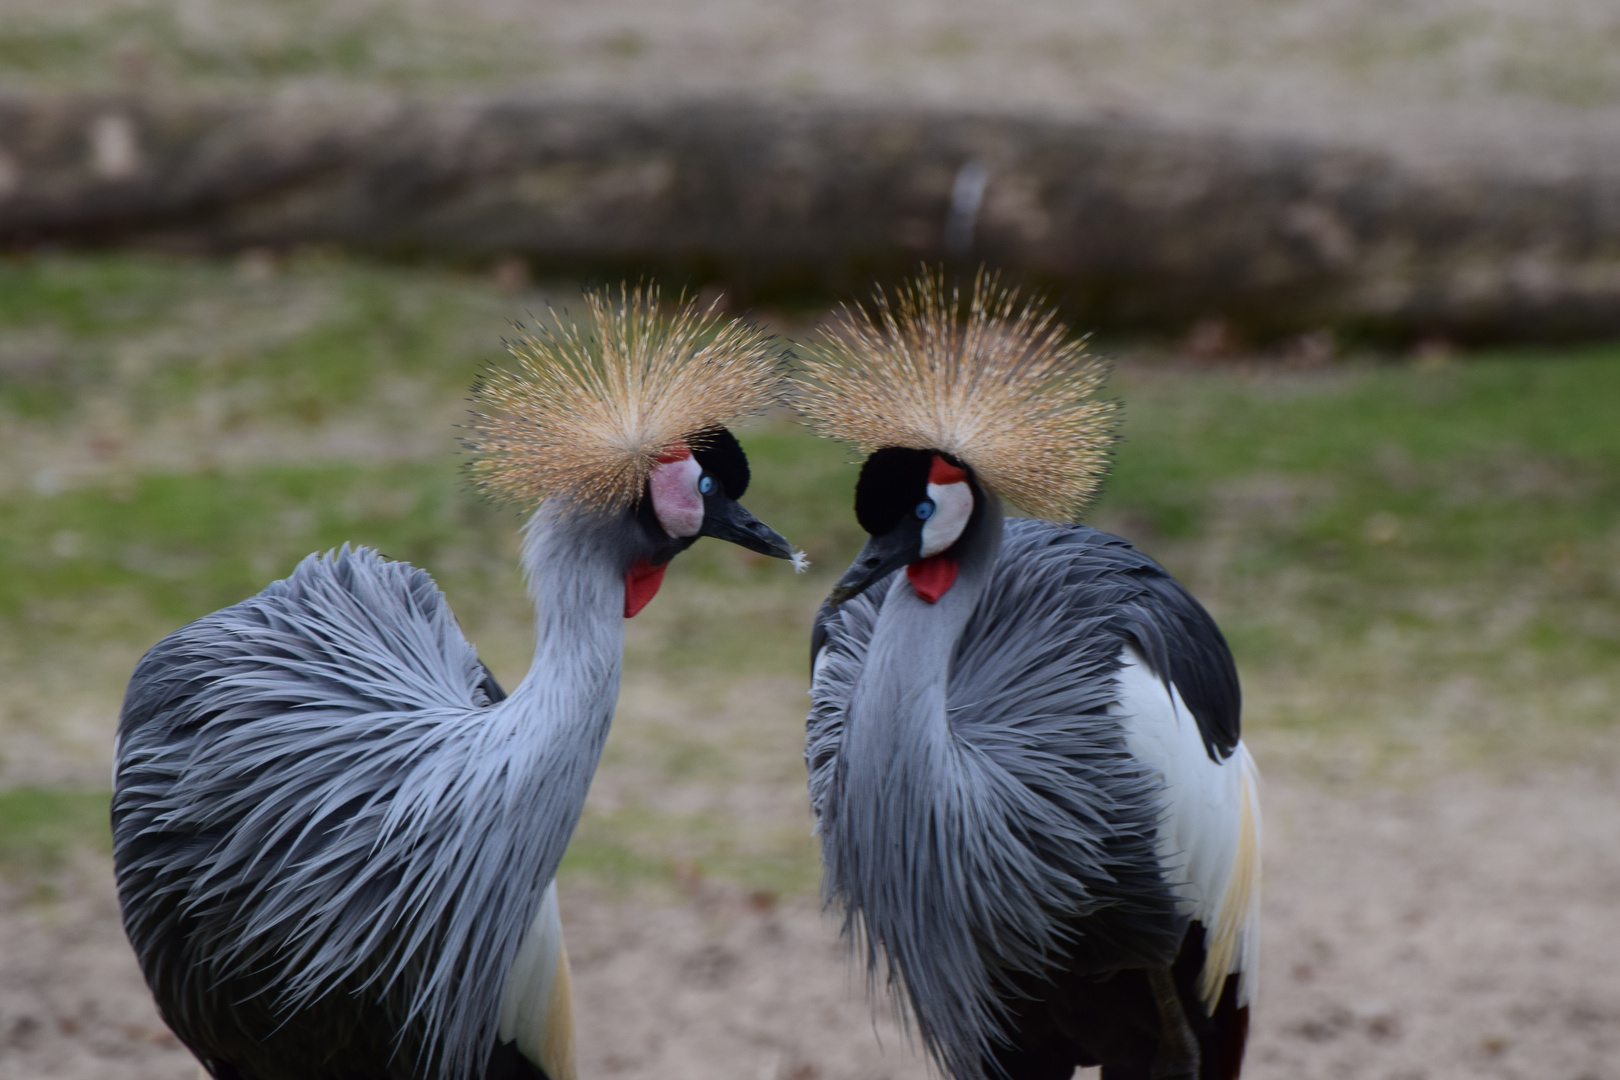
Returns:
(675,496)
(953,505)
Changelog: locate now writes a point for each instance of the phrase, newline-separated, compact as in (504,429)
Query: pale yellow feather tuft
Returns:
(1240,903)
(590,408)
(1005,389)
(558,1058)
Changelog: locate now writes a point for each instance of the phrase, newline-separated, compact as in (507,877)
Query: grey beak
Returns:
(881,556)
(726,519)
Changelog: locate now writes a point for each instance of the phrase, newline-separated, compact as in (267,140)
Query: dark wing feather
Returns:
(1223,1033)
(1176,636)
(508,1063)
(488,684)
(1184,646)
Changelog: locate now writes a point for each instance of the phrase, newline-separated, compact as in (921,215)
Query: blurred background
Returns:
(1357,266)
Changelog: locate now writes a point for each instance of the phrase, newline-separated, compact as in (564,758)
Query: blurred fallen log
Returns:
(1136,225)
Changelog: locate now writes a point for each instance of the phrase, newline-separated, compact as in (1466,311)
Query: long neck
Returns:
(897,721)
(559,713)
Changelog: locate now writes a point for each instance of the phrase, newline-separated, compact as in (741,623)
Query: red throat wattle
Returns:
(932,578)
(641,583)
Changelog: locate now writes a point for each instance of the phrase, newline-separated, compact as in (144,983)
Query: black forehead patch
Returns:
(722,457)
(893,481)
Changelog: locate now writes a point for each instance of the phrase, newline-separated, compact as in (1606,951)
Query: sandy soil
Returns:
(1468,928)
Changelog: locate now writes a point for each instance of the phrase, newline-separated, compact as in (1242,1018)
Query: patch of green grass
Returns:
(153,337)
(41,827)
(637,846)
(83,296)
(1393,477)
(1394,548)
(606,859)
(39,50)
(186,545)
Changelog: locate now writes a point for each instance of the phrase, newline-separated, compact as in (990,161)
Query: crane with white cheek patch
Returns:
(1033,803)
(335,835)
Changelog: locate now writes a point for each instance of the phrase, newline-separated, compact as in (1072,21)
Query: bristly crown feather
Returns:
(590,408)
(1006,389)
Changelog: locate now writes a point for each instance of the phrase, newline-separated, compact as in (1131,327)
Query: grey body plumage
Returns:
(326,817)
(1006,834)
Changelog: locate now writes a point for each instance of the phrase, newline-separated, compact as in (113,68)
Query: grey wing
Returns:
(1183,646)
(1031,691)
(294,814)
(1103,574)
(1035,685)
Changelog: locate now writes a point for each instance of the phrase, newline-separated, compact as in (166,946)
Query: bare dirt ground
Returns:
(1466,928)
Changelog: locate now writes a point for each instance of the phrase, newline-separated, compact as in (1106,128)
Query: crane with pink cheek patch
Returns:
(1034,806)
(335,835)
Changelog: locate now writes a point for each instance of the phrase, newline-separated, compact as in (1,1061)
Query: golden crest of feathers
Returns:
(1005,389)
(590,408)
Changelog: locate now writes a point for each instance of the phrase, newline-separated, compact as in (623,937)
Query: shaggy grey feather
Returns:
(327,831)
(1019,835)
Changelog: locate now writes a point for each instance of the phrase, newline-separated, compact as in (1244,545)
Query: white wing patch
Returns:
(537,1006)
(1209,829)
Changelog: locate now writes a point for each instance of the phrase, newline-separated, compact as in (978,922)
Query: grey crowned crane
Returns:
(1033,805)
(335,836)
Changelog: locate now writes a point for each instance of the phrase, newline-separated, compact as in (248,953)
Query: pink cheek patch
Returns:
(641,583)
(932,578)
(675,497)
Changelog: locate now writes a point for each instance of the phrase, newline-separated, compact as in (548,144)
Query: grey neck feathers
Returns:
(526,778)
(909,796)
(897,713)
(575,565)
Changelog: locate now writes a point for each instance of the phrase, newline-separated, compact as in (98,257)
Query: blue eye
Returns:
(706,485)
(925,509)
